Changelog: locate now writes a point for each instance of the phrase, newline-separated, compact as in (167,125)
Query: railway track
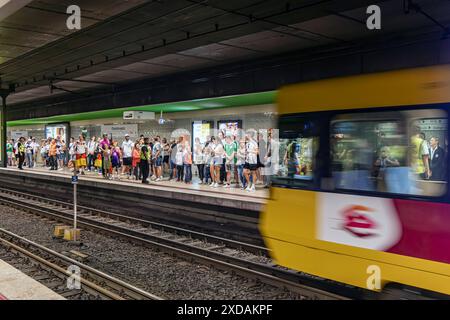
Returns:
(229,255)
(53,269)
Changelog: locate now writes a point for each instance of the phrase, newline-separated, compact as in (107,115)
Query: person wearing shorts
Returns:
(251,160)
(157,159)
(80,154)
(127,152)
(230,159)
(60,146)
(115,160)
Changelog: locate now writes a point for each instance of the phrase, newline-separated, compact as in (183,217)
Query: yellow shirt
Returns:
(419,149)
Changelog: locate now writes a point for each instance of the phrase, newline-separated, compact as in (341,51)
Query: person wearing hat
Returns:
(127,155)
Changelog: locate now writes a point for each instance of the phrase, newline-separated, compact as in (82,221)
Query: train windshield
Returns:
(298,145)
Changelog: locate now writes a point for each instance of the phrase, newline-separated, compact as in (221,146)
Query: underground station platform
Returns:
(15,285)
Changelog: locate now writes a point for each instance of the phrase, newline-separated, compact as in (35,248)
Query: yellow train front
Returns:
(361,193)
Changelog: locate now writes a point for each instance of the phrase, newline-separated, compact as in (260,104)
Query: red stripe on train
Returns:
(425,230)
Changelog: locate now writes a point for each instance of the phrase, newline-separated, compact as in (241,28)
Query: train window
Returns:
(395,152)
(298,145)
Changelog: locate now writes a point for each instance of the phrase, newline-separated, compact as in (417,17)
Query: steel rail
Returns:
(119,287)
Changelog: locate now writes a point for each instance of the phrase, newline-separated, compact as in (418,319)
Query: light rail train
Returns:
(362,196)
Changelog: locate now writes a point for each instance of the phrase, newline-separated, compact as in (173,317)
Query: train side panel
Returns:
(341,239)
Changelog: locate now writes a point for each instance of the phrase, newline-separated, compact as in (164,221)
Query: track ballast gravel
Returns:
(156,272)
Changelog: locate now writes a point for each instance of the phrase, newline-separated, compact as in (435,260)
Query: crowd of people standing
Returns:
(221,160)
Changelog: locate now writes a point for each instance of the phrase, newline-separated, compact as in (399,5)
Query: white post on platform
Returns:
(75,182)
(75,206)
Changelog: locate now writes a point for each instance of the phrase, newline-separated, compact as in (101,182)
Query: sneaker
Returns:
(212,184)
(216,185)
(226,185)
(252,189)
(248,188)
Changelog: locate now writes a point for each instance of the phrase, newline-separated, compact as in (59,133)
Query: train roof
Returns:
(426,85)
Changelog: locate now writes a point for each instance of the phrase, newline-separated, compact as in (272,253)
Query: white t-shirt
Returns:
(81,147)
(35,147)
(219,153)
(252,156)
(179,158)
(198,155)
(240,155)
(156,148)
(92,145)
(127,147)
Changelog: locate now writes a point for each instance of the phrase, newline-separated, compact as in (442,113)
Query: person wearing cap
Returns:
(127,155)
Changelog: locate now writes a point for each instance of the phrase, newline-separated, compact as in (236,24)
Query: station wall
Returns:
(255,117)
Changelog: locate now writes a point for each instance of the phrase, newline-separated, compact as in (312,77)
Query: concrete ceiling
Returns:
(122,41)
